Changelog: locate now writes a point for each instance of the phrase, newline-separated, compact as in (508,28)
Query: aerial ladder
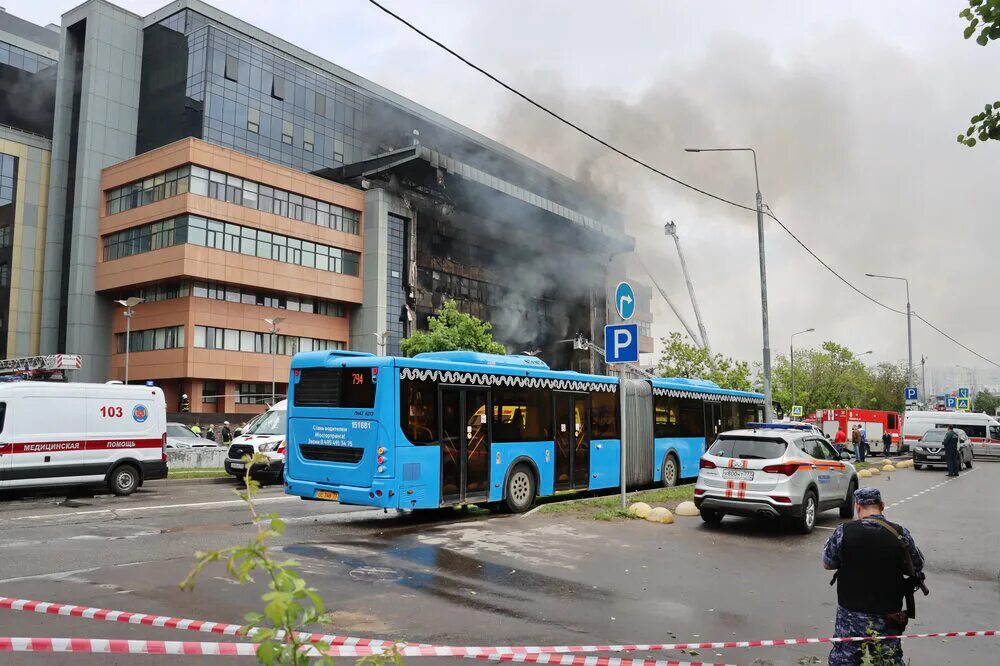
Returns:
(49,366)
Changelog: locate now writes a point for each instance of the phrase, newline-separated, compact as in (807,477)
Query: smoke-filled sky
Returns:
(853,108)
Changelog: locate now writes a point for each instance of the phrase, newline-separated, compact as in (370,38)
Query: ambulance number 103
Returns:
(111,412)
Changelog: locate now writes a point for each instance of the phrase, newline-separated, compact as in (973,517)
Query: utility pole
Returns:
(273,323)
(671,230)
(923,379)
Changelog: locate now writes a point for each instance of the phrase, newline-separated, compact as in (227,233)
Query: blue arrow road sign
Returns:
(625,301)
(949,402)
(621,343)
(910,393)
(963,393)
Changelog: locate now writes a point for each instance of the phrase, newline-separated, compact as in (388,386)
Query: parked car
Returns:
(774,470)
(930,449)
(179,436)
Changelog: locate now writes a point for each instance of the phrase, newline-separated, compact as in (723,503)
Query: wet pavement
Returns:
(476,579)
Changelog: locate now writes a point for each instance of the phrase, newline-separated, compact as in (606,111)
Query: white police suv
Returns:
(774,470)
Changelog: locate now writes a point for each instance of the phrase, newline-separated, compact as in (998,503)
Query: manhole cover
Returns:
(374,574)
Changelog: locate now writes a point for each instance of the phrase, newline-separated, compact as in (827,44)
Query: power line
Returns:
(544,109)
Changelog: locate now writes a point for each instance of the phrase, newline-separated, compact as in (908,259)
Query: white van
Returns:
(55,434)
(265,435)
(983,430)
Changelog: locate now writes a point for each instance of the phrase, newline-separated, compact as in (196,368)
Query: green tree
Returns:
(824,378)
(983,17)
(452,330)
(681,358)
(986,402)
(887,383)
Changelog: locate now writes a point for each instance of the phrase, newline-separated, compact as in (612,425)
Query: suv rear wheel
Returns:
(805,523)
(847,508)
(712,517)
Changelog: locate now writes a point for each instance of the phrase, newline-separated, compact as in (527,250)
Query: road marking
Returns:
(824,527)
(934,487)
(157,507)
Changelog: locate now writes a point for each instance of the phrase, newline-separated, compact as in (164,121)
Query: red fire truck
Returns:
(875,422)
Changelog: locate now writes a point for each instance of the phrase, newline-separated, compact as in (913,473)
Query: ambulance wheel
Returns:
(520,493)
(123,480)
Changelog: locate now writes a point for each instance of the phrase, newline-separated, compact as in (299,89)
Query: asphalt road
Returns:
(448,577)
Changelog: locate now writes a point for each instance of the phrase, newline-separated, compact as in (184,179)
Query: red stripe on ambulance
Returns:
(85,445)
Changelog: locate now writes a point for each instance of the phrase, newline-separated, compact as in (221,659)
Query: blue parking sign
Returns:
(910,394)
(621,343)
(949,402)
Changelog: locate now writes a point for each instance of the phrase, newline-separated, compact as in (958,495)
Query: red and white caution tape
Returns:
(110,646)
(349,646)
(203,649)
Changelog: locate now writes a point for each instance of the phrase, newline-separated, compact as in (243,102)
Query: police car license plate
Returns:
(237,465)
(741,474)
(327,495)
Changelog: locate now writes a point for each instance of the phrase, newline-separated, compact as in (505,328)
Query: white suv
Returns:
(774,470)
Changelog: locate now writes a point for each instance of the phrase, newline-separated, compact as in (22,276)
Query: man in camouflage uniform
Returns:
(869,561)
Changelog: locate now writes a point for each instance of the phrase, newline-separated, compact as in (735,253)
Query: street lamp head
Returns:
(130,302)
(870,275)
(692,150)
(274,321)
(810,330)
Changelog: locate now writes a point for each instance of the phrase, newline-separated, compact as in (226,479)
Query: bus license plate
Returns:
(327,495)
(741,474)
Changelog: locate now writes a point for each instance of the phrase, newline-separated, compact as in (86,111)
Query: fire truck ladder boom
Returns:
(49,362)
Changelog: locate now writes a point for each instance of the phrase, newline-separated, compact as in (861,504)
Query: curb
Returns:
(217,480)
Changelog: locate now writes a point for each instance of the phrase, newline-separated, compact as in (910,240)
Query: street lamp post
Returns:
(763,272)
(909,326)
(273,323)
(791,357)
(129,305)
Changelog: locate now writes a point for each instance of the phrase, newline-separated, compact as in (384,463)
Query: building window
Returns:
(210,393)
(308,140)
(231,238)
(8,178)
(277,87)
(232,68)
(252,394)
(286,131)
(224,187)
(151,339)
(4,274)
(22,59)
(5,236)
(319,105)
(222,292)
(256,342)
(253,121)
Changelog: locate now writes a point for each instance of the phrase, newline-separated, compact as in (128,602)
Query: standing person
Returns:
(185,403)
(196,428)
(840,439)
(859,451)
(864,439)
(886,443)
(872,558)
(951,451)
(210,433)
(227,434)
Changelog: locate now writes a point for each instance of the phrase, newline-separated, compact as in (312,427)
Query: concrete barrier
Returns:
(207,458)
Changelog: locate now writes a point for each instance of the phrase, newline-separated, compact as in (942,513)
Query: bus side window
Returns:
(418,410)
(603,415)
(522,415)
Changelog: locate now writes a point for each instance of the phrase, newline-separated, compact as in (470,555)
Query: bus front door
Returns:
(465,445)
(572,468)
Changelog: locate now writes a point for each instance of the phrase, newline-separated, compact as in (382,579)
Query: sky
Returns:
(853,108)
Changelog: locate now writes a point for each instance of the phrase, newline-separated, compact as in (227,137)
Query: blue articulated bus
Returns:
(449,428)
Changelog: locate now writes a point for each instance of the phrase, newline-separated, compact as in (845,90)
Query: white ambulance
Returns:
(66,434)
(983,430)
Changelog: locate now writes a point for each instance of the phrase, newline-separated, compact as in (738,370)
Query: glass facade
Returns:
(8,206)
(234,294)
(240,191)
(255,342)
(27,89)
(202,231)
(151,339)
(396,284)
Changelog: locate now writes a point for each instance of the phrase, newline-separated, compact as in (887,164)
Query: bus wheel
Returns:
(671,471)
(123,480)
(520,493)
